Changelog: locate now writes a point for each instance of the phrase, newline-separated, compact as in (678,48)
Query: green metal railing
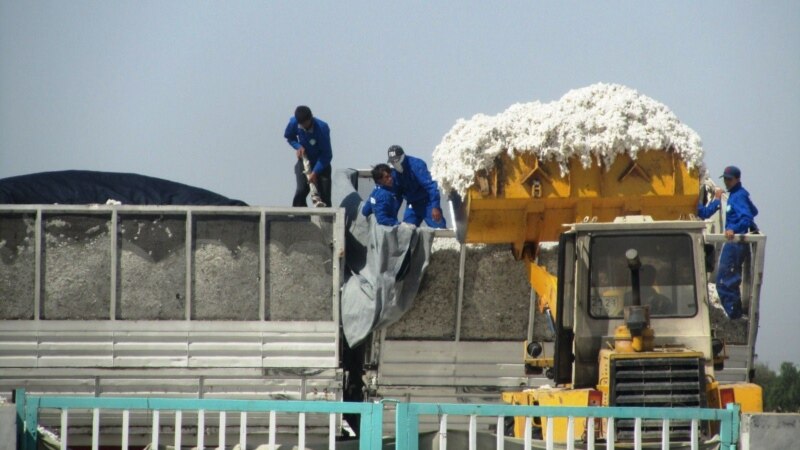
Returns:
(28,407)
(370,435)
(408,421)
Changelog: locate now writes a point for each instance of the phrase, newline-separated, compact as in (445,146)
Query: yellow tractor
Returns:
(629,306)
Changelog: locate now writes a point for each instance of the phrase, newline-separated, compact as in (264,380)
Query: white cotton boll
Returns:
(598,122)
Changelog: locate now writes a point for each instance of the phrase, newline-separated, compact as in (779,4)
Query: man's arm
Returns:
(366,210)
(325,150)
(426,181)
(385,211)
(291,134)
(704,212)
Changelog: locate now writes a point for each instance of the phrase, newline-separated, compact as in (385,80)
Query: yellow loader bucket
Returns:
(523,201)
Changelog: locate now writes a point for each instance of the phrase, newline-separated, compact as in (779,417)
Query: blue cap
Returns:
(395,154)
(731,172)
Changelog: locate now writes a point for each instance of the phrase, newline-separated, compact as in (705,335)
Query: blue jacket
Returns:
(317,143)
(415,183)
(739,213)
(384,203)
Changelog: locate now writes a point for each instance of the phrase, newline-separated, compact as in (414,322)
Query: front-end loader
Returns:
(630,305)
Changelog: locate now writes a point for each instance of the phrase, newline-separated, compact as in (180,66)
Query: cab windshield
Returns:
(666,277)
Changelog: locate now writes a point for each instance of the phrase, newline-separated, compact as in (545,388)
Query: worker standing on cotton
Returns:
(311,139)
(383,201)
(739,214)
(413,181)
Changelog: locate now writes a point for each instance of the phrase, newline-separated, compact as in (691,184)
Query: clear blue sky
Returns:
(200,92)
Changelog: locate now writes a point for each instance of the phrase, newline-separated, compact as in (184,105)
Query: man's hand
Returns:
(729,235)
(312,178)
(436,214)
(718,193)
(300,152)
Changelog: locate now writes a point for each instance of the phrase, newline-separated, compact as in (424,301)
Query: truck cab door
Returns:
(563,356)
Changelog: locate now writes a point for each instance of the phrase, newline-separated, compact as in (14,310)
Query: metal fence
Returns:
(371,420)
(187,301)
(28,407)
(408,423)
(106,258)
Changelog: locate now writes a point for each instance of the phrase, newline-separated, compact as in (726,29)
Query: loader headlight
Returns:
(534,349)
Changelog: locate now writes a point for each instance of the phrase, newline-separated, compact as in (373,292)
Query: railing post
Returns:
(201,430)
(370,432)
(19,400)
(126,422)
(64,429)
(729,427)
(178,428)
(407,427)
(443,432)
(610,434)
(31,423)
(96,429)
(377,426)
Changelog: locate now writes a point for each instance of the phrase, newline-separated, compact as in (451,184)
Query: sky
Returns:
(200,92)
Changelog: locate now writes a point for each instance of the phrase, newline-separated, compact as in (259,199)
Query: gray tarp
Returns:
(386,265)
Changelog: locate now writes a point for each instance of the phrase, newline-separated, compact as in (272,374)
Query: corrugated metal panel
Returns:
(229,360)
(56,384)
(451,364)
(19,348)
(75,349)
(451,372)
(434,395)
(58,344)
(235,383)
(150,349)
(735,366)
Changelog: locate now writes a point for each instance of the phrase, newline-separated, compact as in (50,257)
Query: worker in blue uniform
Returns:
(383,201)
(311,138)
(413,181)
(739,214)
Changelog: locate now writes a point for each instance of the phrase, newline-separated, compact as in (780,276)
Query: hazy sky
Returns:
(200,92)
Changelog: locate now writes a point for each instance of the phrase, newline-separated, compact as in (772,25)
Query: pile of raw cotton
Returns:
(599,122)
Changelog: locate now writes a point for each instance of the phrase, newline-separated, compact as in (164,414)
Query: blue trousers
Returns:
(729,277)
(415,213)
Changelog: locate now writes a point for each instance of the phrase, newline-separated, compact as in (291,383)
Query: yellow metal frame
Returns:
(542,361)
(550,397)
(749,396)
(523,201)
(546,286)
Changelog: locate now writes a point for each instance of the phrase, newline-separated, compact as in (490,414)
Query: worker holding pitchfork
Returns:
(311,139)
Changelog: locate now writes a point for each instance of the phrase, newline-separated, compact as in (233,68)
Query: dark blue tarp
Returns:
(80,187)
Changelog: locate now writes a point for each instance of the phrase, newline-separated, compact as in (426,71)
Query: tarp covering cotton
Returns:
(82,187)
(386,266)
